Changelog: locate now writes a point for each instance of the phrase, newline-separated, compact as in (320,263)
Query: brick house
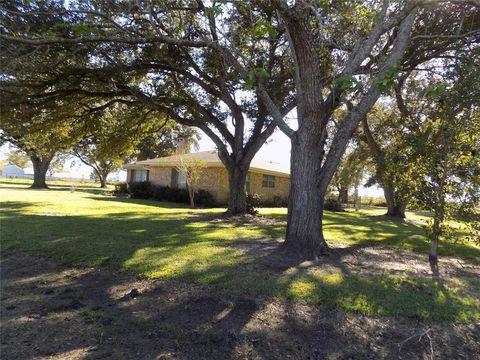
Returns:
(263,178)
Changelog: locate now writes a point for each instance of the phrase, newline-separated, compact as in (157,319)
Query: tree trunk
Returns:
(237,202)
(395,208)
(305,205)
(433,255)
(102,176)
(40,168)
(191,195)
(103,182)
(343,195)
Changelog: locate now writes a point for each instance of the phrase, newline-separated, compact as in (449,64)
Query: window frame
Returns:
(268,181)
(181,180)
(136,178)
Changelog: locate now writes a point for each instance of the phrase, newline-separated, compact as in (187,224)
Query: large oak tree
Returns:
(224,66)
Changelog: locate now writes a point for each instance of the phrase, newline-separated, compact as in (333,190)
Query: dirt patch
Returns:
(51,311)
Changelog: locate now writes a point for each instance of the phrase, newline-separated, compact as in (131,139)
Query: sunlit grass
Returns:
(170,241)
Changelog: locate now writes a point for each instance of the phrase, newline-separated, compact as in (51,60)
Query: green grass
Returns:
(168,241)
(79,185)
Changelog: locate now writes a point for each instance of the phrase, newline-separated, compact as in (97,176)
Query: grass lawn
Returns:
(167,241)
(79,185)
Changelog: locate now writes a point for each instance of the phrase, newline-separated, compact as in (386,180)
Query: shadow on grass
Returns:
(183,246)
(144,202)
(170,320)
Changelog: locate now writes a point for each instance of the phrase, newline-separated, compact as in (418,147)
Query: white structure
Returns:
(13,171)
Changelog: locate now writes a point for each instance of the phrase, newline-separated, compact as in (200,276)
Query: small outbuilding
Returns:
(13,171)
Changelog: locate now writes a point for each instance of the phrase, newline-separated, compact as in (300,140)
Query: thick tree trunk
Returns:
(305,206)
(237,202)
(40,168)
(343,195)
(103,182)
(395,208)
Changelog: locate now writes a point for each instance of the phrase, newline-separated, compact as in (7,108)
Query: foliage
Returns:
(235,69)
(205,198)
(57,163)
(164,141)
(447,151)
(111,137)
(277,201)
(191,85)
(253,202)
(193,170)
(140,190)
(19,158)
(333,205)
(121,190)
(147,190)
(166,193)
(351,170)
(36,129)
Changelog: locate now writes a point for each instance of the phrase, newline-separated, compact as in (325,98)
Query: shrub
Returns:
(159,193)
(203,197)
(332,205)
(279,201)
(253,201)
(145,190)
(166,193)
(179,196)
(140,190)
(121,190)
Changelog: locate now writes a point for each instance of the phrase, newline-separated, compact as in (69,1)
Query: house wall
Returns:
(161,176)
(281,189)
(215,181)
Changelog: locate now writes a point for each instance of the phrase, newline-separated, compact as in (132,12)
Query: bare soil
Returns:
(53,311)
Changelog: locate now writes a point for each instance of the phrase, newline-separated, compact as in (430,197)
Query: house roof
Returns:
(211,159)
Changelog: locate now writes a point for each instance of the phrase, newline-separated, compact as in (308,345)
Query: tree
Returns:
(376,49)
(350,171)
(192,169)
(19,158)
(39,131)
(111,138)
(383,131)
(197,60)
(447,145)
(188,79)
(163,142)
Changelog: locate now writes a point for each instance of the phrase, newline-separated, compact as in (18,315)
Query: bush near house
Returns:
(147,190)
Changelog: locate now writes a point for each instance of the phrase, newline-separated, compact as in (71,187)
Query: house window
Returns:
(247,183)
(139,175)
(268,181)
(182,180)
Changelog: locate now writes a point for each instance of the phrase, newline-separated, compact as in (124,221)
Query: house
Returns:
(13,171)
(264,179)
